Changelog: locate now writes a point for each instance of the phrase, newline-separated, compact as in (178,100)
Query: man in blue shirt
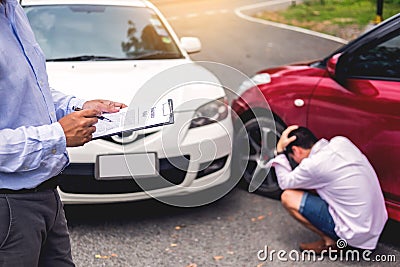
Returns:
(36,125)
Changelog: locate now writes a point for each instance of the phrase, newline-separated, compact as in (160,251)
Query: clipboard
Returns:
(135,119)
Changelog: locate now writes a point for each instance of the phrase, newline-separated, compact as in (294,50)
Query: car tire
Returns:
(247,150)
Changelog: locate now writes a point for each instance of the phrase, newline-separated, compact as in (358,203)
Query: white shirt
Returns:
(343,177)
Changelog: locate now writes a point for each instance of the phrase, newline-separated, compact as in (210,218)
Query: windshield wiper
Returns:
(149,55)
(158,54)
(85,58)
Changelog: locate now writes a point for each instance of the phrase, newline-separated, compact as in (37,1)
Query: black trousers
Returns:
(33,230)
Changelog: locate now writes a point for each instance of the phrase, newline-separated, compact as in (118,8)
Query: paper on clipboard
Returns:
(134,119)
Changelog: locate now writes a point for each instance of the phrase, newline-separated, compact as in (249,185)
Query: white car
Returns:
(115,49)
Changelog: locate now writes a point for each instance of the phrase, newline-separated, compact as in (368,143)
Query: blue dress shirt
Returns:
(32,142)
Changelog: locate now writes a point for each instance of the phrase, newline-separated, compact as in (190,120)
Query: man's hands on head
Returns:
(79,126)
(103,105)
(284,141)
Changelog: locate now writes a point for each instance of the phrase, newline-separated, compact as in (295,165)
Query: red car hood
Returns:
(300,68)
(280,78)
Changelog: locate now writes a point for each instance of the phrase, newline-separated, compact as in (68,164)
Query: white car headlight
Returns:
(211,112)
(261,78)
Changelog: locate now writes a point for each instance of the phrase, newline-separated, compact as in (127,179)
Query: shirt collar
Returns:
(8,7)
(318,146)
(9,1)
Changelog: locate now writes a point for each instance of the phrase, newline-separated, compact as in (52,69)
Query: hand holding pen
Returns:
(79,126)
(99,117)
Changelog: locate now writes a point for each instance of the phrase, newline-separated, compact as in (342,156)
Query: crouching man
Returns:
(349,203)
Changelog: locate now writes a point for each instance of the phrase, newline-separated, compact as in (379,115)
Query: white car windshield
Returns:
(97,32)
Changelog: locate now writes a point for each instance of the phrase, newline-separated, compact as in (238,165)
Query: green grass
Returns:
(343,18)
(362,11)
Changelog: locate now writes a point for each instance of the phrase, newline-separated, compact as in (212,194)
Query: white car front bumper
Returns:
(205,154)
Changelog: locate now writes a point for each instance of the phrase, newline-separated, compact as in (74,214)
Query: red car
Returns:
(354,92)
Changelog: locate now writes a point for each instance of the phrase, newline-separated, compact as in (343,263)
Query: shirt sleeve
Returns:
(26,148)
(304,176)
(63,104)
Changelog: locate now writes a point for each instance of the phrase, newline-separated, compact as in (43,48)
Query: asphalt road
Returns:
(239,43)
(231,231)
(228,232)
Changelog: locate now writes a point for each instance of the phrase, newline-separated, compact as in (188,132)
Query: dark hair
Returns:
(304,139)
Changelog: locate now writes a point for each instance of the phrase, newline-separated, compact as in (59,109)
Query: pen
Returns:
(99,117)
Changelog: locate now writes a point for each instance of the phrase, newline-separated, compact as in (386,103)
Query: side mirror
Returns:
(331,65)
(191,44)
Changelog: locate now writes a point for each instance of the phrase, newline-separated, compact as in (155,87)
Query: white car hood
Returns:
(121,80)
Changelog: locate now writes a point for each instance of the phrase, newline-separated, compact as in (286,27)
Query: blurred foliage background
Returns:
(342,18)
